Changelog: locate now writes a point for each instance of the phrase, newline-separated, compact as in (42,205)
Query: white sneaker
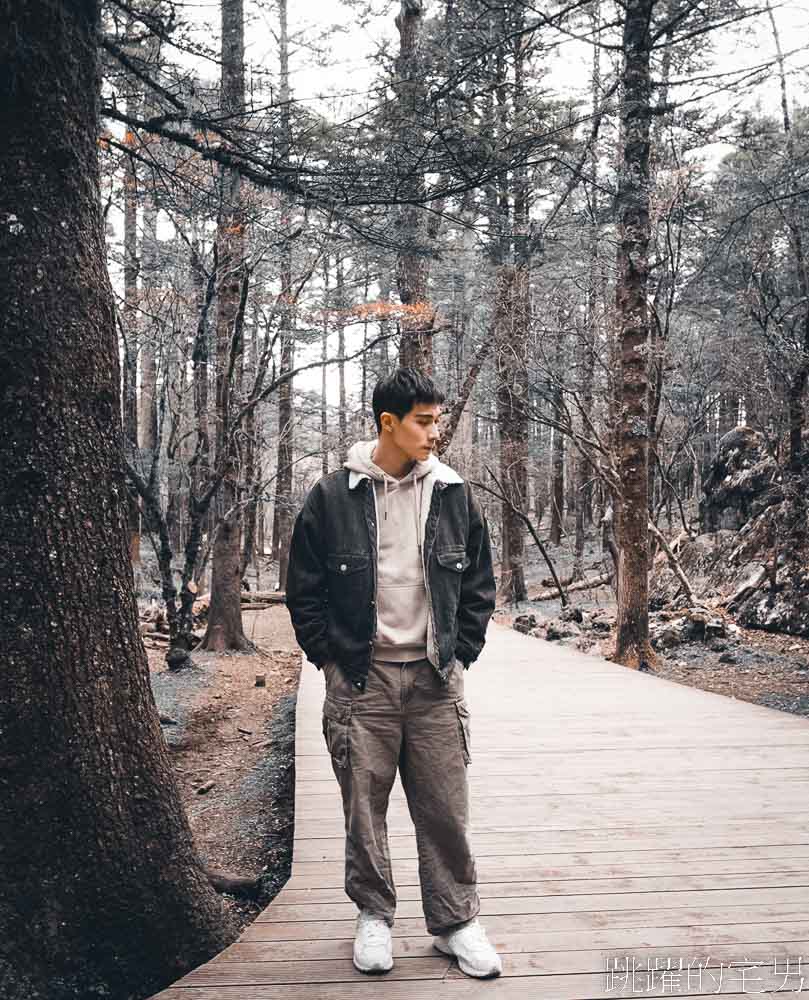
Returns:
(475,954)
(373,949)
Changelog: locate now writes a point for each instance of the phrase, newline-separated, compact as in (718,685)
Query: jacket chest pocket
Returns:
(347,565)
(455,560)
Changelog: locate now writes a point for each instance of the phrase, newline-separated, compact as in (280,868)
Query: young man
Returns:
(390,588)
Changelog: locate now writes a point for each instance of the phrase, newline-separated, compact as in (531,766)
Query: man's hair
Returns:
(399,392)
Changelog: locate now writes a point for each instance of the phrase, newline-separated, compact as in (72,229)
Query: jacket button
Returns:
(373,604)
(343,567)
(458,565)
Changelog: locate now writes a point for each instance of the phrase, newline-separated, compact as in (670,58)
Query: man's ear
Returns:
(386,419)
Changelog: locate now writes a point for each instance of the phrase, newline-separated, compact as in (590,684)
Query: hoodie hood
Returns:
(359,464)
(359,460)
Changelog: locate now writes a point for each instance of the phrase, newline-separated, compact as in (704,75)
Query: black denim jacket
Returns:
(331,578)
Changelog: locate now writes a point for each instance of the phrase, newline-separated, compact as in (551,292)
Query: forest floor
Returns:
(241,738)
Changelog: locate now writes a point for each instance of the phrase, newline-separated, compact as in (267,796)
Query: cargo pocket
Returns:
(336,719)
(464,731)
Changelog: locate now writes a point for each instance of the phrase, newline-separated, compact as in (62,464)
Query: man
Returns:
(390,588)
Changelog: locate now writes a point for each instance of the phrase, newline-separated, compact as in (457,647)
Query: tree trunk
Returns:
(412,268)
(103,892)
(225,631)
(510,335)
(557,489)
(632,265)
(129,322)
(283,480)
(798,382)
(324,355)
(342,445)
(252,450)
(147,407)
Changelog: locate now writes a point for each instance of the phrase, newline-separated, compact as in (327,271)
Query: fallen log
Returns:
(246,606)
(549,595)
(264,597)
(235,885)
(674,562)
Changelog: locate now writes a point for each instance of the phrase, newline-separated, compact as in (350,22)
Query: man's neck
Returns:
(393,462)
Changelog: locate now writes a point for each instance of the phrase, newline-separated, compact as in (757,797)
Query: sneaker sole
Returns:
(462,965)
(372,970)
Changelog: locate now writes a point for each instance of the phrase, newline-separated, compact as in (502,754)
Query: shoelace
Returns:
(374,928)
(475,934)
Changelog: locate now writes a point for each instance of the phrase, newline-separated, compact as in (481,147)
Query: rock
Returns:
(727,658)
(572,613)
(538,632)
(718,647)
(524,623)
(669,637)
(714,629)
(600,622)
(557,629)
(204,789)
(178,659)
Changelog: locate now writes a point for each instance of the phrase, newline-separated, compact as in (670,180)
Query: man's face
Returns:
(416,434)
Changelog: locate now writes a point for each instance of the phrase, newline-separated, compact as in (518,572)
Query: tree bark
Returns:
(412,264)
(510,334)
(103,892)
(632,643)
(324,356)
(283,479)
(225,630)
(129,321)
(341,304)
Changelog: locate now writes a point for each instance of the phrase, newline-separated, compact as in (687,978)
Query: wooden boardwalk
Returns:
(619,821)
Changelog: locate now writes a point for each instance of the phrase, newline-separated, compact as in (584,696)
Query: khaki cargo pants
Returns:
(406,719)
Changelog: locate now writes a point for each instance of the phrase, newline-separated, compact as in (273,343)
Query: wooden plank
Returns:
(328,876)
(632,939)
(646,837)
(574,987)
(568,887)
(609,902)
(583,920)
(220,973)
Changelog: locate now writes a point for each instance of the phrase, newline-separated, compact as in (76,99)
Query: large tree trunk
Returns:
(283,479)
(103,893)
(510,329)
(412,268)
(225,630)
(796,391)
(147,405)
(129,322)
(632,645)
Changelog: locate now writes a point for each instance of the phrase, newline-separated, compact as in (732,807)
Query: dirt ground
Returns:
(232,745)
